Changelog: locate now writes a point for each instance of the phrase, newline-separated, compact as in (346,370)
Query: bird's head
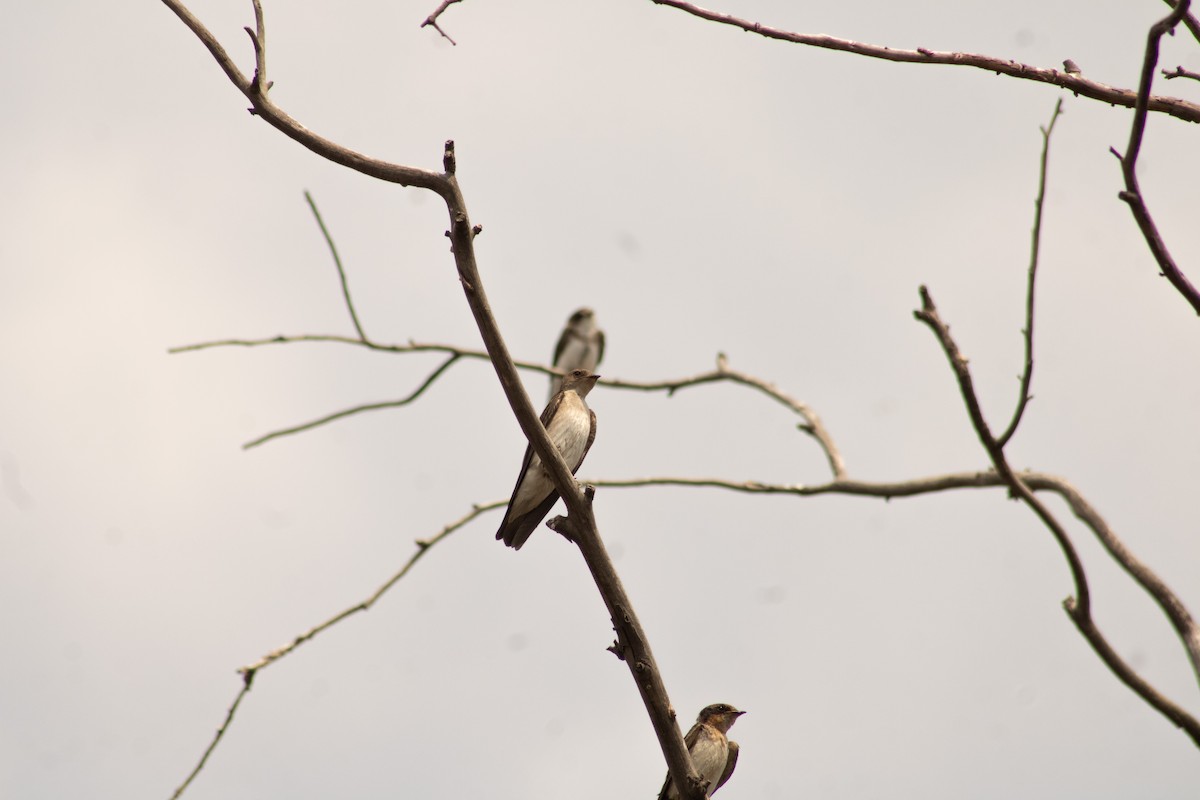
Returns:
(579,381)
(720,715)
(583,314)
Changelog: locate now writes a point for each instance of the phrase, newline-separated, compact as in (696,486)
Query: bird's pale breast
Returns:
(709,756)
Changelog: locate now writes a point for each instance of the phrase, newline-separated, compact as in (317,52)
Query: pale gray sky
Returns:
(704,190)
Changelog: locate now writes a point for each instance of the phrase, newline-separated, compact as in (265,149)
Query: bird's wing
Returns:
(730,763)
(689,738)
(600,347)
(588,446)
(521,528)
(563,340)
(505,524)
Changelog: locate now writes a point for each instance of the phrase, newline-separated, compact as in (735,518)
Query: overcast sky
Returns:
(705,190)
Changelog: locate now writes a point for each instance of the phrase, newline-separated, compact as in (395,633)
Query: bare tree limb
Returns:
(1133,193)
(432,19)
(281,121)
(1034,250)
(1078,84)
(1189,20)
(884,490)
(1078,607)
(812,424)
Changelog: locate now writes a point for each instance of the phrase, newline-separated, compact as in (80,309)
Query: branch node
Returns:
(563,527)
(448,159)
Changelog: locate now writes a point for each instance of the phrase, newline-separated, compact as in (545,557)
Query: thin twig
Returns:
(431,20)
(1180,72)
(249,672)
(247,680)
(316,423)
(423,547)
(337,261)
(1078,84)
(1034,250)
(1133,193)
(258,38)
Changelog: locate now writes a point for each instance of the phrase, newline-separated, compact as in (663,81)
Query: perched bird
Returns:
(572,428)
(581,346)
(713,754)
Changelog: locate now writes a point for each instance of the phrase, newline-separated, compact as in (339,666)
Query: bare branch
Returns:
(432,19)
(1078,84)
(1180,72)
(1035,248)
(1078,607)
(249,672)
(247,681)
(337,261)
(1133,193)
(281,121)
(585,532)
(812,424)
(423,547)
(1189,21)
(928,314)
(316,423)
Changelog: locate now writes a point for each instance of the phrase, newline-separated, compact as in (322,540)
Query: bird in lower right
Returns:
(712,752)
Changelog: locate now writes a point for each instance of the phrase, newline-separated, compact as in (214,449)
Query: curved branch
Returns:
(812,424)
(1189,21)
(316,423)
(1133,193)
(285,124)
(1079,607)
(1174,106)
